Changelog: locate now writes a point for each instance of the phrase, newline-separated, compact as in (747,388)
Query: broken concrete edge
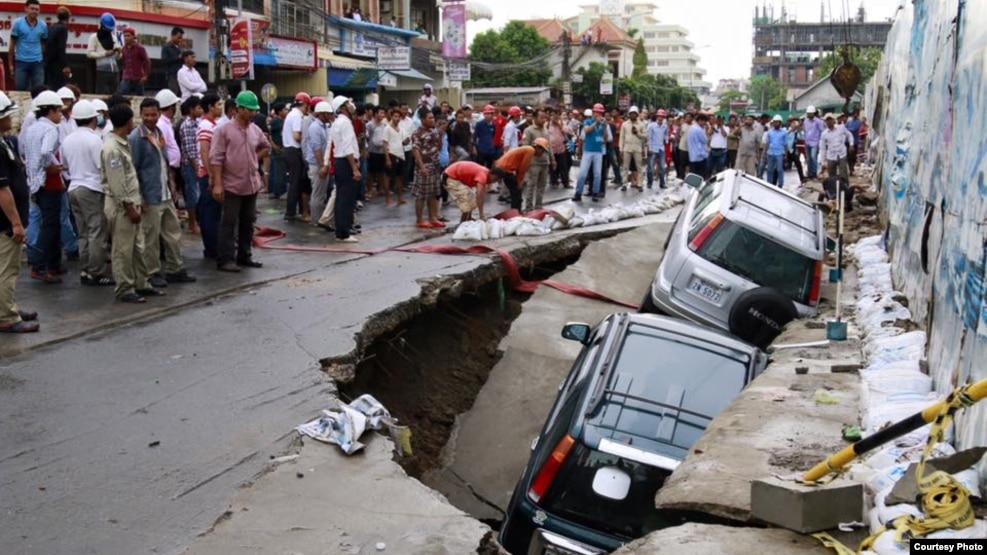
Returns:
(551,248)
(754,438)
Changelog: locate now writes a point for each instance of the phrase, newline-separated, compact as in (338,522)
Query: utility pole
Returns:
(239,14)
(566,70)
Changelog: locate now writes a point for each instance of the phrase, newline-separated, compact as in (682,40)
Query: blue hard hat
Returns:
(107,20)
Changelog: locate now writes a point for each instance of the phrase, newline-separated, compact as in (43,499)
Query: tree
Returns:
(515,44)
(644,90)
(867,60)
(728,97)
(640,59)
(767,93)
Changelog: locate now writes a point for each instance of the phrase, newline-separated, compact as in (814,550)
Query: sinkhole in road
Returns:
(430,369)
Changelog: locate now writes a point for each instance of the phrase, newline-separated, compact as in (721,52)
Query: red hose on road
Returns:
(264,236)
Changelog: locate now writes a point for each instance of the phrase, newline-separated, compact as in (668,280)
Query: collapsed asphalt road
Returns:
(134,439)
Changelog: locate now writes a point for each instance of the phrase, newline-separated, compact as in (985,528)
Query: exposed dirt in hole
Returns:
(430,370)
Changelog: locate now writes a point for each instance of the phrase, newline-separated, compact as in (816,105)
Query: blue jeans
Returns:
(656,159)
(70,242)
(191,191)
(134,88)
(812,155)
(28,75)
(776,169)
(718,159)
(594,159)
(46,252)
(208,213)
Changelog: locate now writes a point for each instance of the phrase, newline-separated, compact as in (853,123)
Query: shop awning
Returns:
(410,73)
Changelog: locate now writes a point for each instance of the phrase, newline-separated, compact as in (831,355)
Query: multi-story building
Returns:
(789,50)
(670,52)
(603,42)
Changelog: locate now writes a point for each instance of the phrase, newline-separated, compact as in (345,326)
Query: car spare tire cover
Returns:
(759,315)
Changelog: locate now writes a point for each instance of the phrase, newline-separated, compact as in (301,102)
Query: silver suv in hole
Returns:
(744,256)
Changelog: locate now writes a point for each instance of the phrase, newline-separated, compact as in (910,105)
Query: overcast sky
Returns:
(720,29)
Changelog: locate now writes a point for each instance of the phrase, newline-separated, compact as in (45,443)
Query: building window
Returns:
(663,35)
(661,48)
(649,35)
(650,49)
(791,75)
(660,63)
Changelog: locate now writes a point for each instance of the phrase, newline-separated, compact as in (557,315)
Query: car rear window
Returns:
(754,257)
(572,497)
(657,373)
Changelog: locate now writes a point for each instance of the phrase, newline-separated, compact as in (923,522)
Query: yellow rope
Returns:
(945,502)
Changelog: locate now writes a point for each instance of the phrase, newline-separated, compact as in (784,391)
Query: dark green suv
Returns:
(642,391)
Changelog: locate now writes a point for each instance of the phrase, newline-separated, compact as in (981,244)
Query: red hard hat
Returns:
(599,108)
(514,111)
(315,100)
(303,97)
(661,113)
(489,109)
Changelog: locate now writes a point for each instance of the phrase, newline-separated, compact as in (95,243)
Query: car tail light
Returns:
(705,232)
(814,291)
(551,467)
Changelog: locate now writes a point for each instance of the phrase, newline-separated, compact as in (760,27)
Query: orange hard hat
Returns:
(303,97)
(514,111)
(599,108)
(489,109)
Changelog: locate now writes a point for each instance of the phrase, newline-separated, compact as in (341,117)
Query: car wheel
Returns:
(759,315)
(648,304)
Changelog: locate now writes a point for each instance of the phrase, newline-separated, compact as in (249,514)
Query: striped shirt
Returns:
(206,129)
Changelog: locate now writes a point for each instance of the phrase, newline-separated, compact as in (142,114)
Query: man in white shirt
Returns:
(427,98)
(832,147)
(719,132)
(407,127)
(291,138)
(81,157)
(189,80)
(346,152)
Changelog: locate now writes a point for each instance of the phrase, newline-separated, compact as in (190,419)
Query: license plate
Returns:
(706,290)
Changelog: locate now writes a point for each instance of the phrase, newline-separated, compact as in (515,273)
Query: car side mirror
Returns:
(694,180)
(576,331)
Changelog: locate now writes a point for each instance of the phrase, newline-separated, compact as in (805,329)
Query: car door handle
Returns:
(706,277)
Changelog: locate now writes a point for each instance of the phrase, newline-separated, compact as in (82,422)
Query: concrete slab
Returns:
(312,506)
(491,443)
(704,539)
(775,427)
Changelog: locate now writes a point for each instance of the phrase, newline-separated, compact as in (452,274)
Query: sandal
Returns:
(436,225)
(423,225)
(21,327)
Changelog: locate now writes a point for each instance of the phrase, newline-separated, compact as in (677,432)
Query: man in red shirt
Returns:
(515,165)
(136,64)
(467,183)
(500,120)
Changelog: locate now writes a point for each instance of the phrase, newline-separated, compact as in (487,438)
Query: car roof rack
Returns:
(606,370)
(737,198)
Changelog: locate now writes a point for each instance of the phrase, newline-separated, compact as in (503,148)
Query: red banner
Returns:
(241,50)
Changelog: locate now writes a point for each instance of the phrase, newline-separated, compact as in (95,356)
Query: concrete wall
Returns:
(928,105)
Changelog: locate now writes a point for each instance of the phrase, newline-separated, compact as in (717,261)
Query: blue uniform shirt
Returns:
(696,139)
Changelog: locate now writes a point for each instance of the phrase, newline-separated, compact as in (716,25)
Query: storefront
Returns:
(153,31)
(353,67)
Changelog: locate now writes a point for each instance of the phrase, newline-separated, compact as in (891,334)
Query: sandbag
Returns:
(469,231)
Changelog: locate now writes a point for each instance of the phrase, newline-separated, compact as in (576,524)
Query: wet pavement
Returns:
(127,429)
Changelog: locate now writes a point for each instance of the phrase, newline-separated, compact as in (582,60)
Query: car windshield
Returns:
(756,258)
(572,496)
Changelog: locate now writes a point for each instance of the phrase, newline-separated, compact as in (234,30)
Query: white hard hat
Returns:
(83,109)
(338,102)
(166,98)
(588,112)
(810,110)
(633,110)
(100,105)
(65,93)
(777,118)
(47,98)
(323,108)
(7,106)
